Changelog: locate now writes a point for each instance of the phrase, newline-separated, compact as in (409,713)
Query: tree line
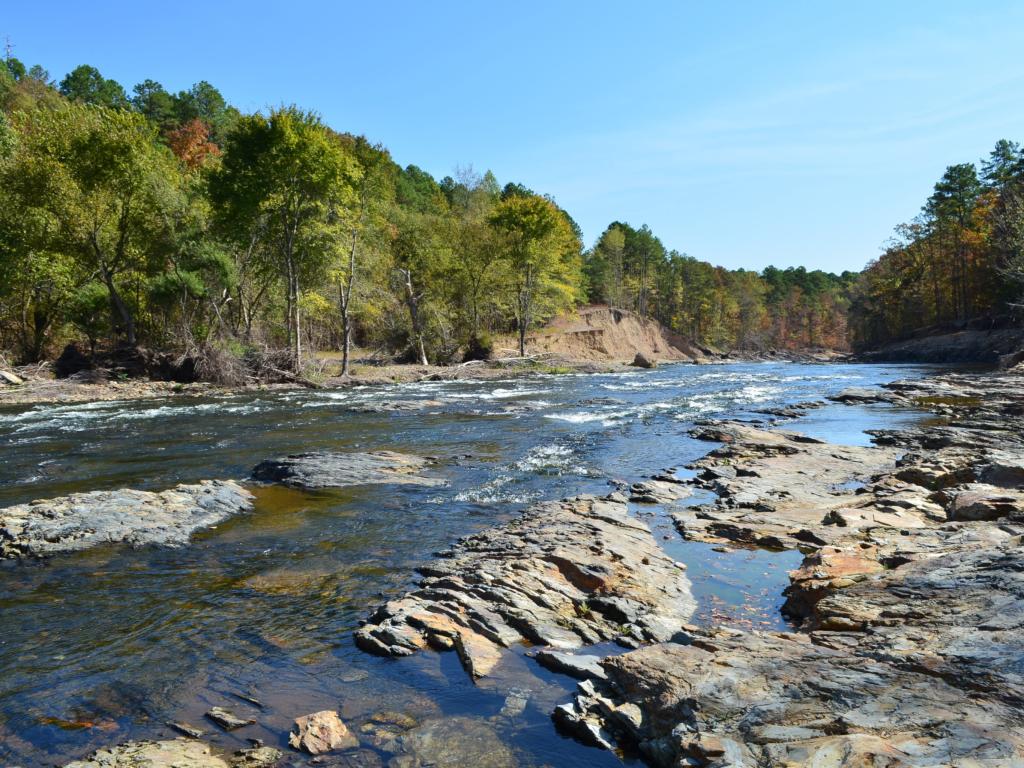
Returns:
(739,309)
(960,259)
(174,220)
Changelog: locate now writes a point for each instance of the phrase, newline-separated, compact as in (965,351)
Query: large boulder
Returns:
(321,732)
(978,501)
(642,361)
(71,361)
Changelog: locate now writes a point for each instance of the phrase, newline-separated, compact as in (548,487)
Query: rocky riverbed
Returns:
(911,598)
(900,647)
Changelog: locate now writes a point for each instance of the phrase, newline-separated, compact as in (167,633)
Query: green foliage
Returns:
(100,186)
(542,252)
(86,85)
(153,102)
(88,310)
(962,257)
(169,218)
(287,182)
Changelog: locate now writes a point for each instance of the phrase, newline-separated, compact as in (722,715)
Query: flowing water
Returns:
(108,645)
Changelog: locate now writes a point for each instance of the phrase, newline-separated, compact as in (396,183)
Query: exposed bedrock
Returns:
(729,698)
(137,518)
(335,470)
(562,574)
(911,594)
(783,490)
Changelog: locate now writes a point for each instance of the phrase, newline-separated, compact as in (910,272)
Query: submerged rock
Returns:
(562,574)
(454,742)
(175,753)
(227,720)
(136,518)
(335,470)
(257,757)
(321,732)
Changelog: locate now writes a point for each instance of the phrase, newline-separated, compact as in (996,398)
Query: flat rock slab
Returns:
(137,518)
(958,613)
(174,753)
(336,470)
(563,574)
(780,489)
(582,666)
(757,699)
(228,720)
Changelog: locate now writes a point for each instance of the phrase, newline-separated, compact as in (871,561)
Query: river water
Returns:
(108,645)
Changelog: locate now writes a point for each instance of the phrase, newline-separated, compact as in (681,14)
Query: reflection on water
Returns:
(111,644)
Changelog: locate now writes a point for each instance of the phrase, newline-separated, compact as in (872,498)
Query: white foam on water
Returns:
(552,459)
(493,492)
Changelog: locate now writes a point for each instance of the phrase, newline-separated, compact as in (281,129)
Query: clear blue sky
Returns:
(743,133)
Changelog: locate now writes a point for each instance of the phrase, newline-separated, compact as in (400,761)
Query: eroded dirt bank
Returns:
(911,597)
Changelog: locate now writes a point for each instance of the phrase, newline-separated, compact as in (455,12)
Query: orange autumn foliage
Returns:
(191,144)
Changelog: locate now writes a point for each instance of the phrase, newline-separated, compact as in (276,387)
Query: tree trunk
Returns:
(120,308)
(345,300)
(297,325)
(412,301)
(525,307)
(346,330)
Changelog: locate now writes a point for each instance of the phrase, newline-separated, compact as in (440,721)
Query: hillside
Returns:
(598,333)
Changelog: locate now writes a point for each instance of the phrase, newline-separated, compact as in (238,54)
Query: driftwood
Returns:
(295,378)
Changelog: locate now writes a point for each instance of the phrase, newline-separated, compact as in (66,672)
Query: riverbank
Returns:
(43,387)
(37,384)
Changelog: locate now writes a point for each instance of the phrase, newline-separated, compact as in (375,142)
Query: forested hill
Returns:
(176,222)
(958,264)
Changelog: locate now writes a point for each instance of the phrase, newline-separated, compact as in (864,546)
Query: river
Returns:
(108,645)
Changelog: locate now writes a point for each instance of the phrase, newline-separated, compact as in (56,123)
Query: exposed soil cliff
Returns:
(600,333)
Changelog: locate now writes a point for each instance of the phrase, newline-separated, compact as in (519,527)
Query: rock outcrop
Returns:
(782,490)
(911,596)
(137,518)
(751,699)
(562,574)
(640,360)
(336,470)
